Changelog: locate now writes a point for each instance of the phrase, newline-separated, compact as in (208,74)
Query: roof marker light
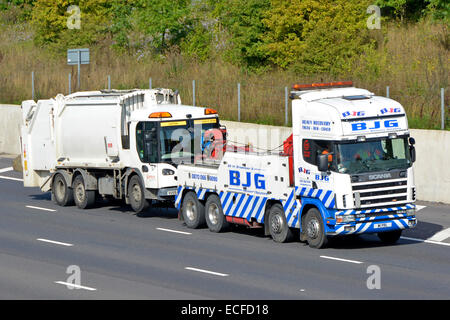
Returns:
(324,85)
(210,111)
(160,115)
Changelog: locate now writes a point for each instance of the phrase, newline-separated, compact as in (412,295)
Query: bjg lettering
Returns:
(390,110)
(319,177)
(304,170)
(247,180)
(360,126)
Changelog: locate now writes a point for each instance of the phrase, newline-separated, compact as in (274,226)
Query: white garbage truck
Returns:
(346,169)
(119,144)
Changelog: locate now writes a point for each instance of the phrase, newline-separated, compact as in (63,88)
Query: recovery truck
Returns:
(119,144)
(346,169)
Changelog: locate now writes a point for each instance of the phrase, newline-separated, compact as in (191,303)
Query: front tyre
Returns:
(193,211)
(278,226)
(390,237)
(314,229)
(136,195)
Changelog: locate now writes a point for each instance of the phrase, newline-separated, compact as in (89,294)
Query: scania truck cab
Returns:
(358,146)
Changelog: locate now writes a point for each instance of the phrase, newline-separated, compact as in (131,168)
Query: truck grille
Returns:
(376,193)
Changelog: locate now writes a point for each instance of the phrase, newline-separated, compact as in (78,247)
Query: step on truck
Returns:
(117,144)
(345,170)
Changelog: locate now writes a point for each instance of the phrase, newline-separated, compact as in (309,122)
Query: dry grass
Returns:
(413,61)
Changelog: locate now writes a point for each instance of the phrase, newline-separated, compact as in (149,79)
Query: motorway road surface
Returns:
(116,254)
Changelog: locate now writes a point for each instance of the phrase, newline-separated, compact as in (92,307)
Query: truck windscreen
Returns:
(172,141)
(374,155)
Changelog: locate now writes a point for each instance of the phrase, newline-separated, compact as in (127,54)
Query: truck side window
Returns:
(312,148)
(308,151)
(147,141)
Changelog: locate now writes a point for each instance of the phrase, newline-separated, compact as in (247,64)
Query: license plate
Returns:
(382,225)
(172,193)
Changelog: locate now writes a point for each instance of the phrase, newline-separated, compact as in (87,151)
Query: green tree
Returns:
(54,24)
(403,9)
(165,21)
(241,20)
(440,9)
(316,36)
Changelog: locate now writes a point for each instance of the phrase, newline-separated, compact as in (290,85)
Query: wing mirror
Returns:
(322,162)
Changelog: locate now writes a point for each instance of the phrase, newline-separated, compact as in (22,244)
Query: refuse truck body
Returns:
(117,144)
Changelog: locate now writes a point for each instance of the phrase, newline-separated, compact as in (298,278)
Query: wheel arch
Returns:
(90,181)
(307,204)
(67,175)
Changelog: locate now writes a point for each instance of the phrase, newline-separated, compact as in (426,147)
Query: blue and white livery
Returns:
(346,169)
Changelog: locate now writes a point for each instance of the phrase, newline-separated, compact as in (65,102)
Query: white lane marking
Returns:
(207,271)
(6,169)
(39,208)
(174,231)
(10,178)
(55,242)
(75,286)
(418,207)
(441,235)
(343,260)
(426,241)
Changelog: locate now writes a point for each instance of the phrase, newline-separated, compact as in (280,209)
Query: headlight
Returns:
(407,212)
(168,172)
(345,218)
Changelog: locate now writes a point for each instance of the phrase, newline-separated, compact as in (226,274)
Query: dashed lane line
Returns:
(55,242)
(173,231)
(207,271)
(39,208)
(343,260)
(75,286)
(10,178)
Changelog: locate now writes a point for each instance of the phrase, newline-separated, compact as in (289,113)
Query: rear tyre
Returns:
(62,194)
(83,198)
(278,226)
(136,195)
(193,211)
(314,229)
(390,237)
(215,219)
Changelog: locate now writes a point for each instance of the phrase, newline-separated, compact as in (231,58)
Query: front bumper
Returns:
(372,221)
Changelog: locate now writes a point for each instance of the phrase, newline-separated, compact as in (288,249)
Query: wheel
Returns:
(62,194)
(215,219)
(83,198)
(193,211)
(390,237)
(314,229)
(278,226)
(136,195)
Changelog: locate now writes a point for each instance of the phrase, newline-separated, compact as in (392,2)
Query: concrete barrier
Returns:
(10,119)
(432,173)
(431,170)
